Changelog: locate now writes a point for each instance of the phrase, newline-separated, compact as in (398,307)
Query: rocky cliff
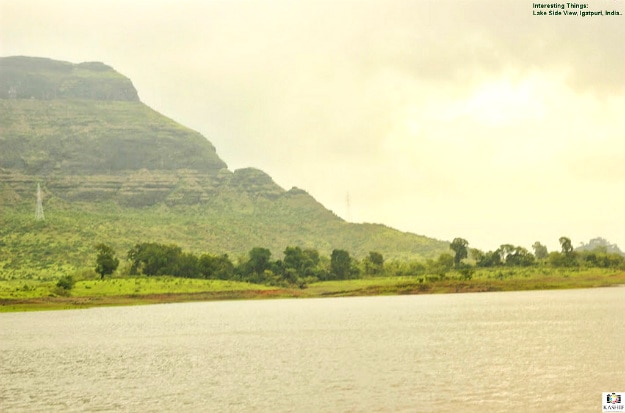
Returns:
(81,131)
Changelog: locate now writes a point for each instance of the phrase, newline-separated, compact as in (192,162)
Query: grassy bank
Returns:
(28,295)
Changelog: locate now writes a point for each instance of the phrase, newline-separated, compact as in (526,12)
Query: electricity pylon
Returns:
(39,210)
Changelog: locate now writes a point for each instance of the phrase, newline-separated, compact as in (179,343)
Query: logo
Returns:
(612,402)
(613,398)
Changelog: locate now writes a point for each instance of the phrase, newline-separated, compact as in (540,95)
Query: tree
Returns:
(443,264)
(312,262)
(490,259)
(557,259)
(294,259)
(374,263)
(540,251)
(568,256)
(504,250)
(186,266)
(259,260)
(106,262)
(520,257)
(154,259)
(303,263)
(340,264)
(459,247)
(476,254)
(567,247)
(219,267)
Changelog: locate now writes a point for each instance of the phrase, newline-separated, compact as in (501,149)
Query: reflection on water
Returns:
(496,352)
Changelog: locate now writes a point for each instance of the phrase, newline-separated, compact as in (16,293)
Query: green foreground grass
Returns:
(29,295)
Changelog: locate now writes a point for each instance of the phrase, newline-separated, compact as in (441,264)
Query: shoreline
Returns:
(346,288)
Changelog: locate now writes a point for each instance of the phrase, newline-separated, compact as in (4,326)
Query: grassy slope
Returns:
(64,243)
(19,295)
(20,289)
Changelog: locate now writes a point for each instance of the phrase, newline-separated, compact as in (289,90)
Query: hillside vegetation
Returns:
(65,241)
(113,170)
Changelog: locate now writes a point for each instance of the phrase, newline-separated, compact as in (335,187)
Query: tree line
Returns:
(300,266)
(516,256)
(297,267)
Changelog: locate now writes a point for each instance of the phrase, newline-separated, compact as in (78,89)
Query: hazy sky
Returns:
(443,118)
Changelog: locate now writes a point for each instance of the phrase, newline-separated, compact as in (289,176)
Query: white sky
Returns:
(443,118)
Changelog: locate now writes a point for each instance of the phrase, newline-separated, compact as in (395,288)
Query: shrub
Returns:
(66,283)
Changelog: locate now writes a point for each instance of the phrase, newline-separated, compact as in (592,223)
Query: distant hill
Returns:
(600,244)
(113,170)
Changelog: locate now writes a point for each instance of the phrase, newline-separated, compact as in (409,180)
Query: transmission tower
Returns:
(348,208)
(39,211)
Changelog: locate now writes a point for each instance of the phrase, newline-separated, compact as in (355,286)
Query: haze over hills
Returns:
(113,170)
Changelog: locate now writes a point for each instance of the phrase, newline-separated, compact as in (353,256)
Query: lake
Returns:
(530,351)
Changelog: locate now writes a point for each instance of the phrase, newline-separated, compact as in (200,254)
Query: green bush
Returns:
(66,283)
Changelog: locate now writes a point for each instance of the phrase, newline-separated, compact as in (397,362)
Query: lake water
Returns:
(538,351)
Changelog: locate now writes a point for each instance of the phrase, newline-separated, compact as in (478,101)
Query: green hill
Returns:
(113,170)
